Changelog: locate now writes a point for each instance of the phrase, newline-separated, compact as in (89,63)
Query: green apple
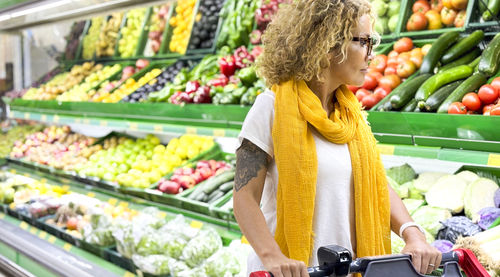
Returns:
(380,7)
(393,8)
(381,25)
(393,23)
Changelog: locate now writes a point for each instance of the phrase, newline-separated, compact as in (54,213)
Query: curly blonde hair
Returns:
(302,34)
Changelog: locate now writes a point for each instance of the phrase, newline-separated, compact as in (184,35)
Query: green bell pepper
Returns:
(247,76)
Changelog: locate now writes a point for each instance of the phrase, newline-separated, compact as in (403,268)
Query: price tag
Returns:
(162,214)
(128,274)
(33,230)
(91,194)
(494,159)
(43,118)
(65,187)
(26,175)
(103,123)
(158,128)
(386,149)
(2,215)
(12,206)
(52,239)
(244,240)
(23,225)
(13,171)
(67,247)
(55,119)
(86,122)
(42,235)
(219,133)
(78,120)
(196,224)
(112,201)
(191,130)
(27,115)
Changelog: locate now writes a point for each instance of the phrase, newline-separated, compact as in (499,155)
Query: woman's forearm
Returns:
(399,216)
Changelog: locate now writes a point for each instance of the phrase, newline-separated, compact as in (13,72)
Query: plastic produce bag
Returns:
(201,247)
(487,216)
(198,272)
(222,262)
(179,227)
(442,245)
(174,246)
(99,229)
(457,226)
(153,264)
(177,267)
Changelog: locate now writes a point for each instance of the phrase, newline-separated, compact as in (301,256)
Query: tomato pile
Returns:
(386,72)
(485,101)
(433,14)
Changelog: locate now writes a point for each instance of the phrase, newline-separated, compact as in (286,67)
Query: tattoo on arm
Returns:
(250,159)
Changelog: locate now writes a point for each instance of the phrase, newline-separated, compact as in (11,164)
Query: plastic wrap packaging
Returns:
(222,263)
(457,226)
(177,267)
(201,247)
(179,228)
(153,264)
(99,229)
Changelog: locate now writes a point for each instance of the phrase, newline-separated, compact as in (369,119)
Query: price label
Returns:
(13,171)
(67,247)
(91,194)
(196,224)
(33,230)
(103,123)
(12,206)
(55,119)
(65,187)
(162,214)
(191,130)
(78,120)
(52,239)
(43,118)
(128,274)
(386,149)
(112,201)
(244,240)
(2,215)
(494,159)
(86,121)
(24,225)
(26,175)
(42,234)
(132,126)
(27,115)
(219,133)
(158,128)
(123,204)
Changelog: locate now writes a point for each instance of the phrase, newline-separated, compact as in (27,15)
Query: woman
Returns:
(307,154)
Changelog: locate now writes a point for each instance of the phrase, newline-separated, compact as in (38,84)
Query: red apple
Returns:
(141,63)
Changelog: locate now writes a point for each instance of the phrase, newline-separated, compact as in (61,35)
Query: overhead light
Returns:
(40,8)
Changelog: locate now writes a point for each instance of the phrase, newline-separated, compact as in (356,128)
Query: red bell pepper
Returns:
(220,81)
(227,66)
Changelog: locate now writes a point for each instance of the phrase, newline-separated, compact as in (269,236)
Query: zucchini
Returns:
(474,63)
(463,46)
(200,196)
(227,186)
(410,106)
(466,59)
(492,10)
(437,50)
(436,81)
(469,85)
(407,90)
(488,65)
(216,181)
(434,101)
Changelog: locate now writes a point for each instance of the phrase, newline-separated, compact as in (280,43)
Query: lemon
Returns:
(159,149)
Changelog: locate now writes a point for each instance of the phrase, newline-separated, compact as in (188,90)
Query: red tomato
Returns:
(376,74)
(495,110)
(487,109)
(421,6)
(460,19)
(457,108)
(417,60)
(392,61)
(434,20)
(488,94)
(370,82)
(353,88)
(403,44)
(448,16)
(437,5)
(416,52)
(391,80)
(406,68)
(459,4)
(447,3)
(369,101)
(393,54)
(472,101)
(361,93)
(496,83)
(379,63)
(392,69)
(403,57)
(417,22)
(381,92)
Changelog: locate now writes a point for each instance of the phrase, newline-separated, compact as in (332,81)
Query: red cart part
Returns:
(469,263)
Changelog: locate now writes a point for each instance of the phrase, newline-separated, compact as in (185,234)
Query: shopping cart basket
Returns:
(336,261)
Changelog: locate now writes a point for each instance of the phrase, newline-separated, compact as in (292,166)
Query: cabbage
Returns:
(479,194)
(401,191)
(468,176)
(447,193)
(174,246)
(430,217)
(487,216)
(206,243)
(221,263)
(412,204)
(444,246)
(496,198)
(401,174)
(153,264)
(177,267)
(426,180)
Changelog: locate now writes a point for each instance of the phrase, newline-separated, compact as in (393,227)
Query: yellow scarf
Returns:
(296,106)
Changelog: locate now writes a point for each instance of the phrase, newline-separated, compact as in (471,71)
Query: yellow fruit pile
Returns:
(182,23)
(128,87)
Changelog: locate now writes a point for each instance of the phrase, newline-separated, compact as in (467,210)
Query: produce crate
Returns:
(212,49)
(217,211)
(407,12)
(97,250)
(490,172)
(163,44)
(142,39)
(79,50)
(170,31)
(476,21)
(120,260)
(79,58)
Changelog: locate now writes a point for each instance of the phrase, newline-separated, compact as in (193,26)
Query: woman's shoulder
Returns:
(264,101)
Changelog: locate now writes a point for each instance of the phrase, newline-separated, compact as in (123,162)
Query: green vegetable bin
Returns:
(163,44)
(212,49)
(477,22)
(78,52)
(407,12)
(142,39)
(217,211)
(170,31)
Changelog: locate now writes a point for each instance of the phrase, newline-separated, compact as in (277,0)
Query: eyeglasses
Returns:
(368,41)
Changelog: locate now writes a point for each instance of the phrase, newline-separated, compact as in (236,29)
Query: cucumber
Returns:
(488,65)
(215,196)
(386,107)
(227,186)
(410,106)
(466,59)
(469,85)
(492,10)
(463,46)
(475,63)
(200,196)
(437,50)
(436,81)
(216,181)
(435,100)
(407,90)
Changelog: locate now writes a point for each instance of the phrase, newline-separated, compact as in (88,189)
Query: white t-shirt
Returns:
(334,203)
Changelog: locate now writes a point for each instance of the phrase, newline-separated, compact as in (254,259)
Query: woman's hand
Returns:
(425,258)
(281,266)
